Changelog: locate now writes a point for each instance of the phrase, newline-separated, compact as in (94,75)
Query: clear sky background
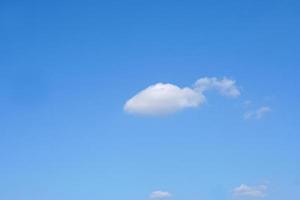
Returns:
(68,67)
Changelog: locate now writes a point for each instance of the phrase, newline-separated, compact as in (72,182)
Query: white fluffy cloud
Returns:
(165,98)
(250,191)
(258,113)
(160,195)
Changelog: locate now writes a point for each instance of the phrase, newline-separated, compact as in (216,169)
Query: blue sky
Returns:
(67,69)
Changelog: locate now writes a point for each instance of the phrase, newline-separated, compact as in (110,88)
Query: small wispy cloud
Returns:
(160,195)
(225,86)
(166,98)
(258,113)
(247,103)
(250,191)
